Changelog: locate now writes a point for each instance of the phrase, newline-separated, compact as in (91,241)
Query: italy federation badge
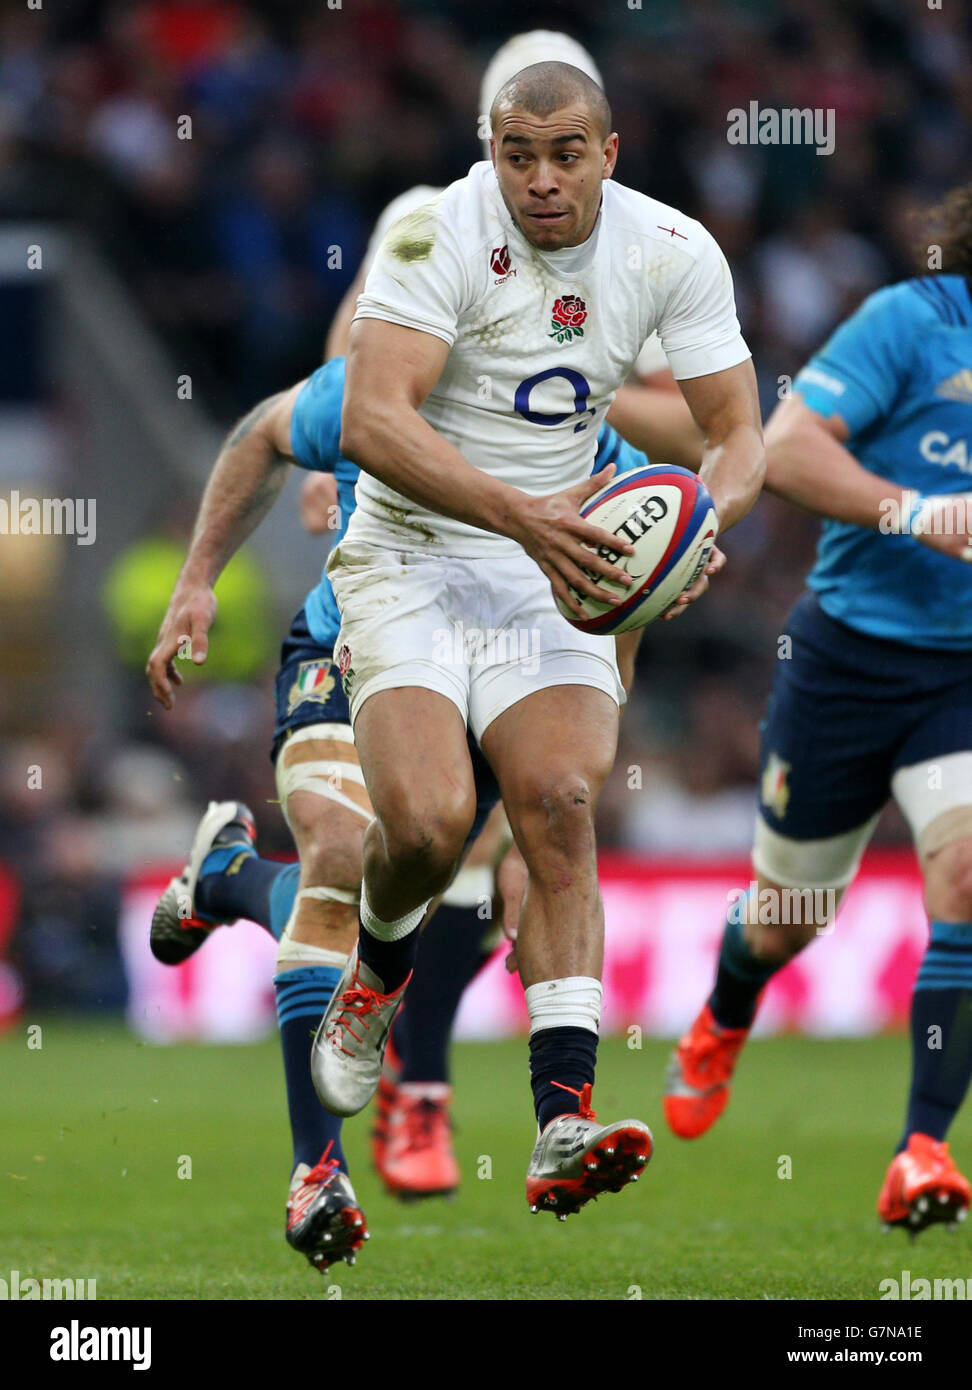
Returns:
(315,681)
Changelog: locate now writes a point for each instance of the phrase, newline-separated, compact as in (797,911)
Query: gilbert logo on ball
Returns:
(668,516)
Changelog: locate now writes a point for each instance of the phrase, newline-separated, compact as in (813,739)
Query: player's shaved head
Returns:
(544,88)
(552,148)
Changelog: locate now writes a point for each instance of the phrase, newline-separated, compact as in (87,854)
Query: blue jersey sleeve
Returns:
(611,448)
(861,371)
(315,424)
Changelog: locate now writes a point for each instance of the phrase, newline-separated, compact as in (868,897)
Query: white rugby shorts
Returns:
(483,632)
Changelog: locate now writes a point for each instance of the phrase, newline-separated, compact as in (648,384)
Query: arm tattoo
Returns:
(246,425)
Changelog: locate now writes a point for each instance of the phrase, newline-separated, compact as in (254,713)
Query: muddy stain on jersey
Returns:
(413,236)
(398,516)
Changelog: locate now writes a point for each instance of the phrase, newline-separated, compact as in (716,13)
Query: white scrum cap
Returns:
(522,51)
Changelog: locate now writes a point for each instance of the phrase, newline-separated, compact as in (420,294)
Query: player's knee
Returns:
(555,814)
(949,882)
(424,843)
(333,863)
(780,922)
(775,945)
(961,884)
(329,843)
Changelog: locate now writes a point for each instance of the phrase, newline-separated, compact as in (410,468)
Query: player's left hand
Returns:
(569,550)
(716,561)
(190,615)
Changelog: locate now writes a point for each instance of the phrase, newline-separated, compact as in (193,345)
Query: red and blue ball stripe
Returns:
(696,502)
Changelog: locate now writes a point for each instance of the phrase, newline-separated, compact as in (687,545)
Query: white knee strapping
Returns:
(826,863)
(936,799)
(290,950)
(323,777)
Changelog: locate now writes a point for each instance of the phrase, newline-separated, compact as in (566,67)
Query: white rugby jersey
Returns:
(540,340)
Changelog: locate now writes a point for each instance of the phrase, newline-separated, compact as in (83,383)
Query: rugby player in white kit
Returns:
(495,325)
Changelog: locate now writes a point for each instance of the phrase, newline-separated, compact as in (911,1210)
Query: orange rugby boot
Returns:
(699,1073)
(922,1186)
(418,1159)
(385,1096)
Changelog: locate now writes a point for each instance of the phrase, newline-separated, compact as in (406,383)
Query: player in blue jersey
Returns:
(872,698)
(311,908)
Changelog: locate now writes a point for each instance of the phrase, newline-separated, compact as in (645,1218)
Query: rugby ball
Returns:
(668,516)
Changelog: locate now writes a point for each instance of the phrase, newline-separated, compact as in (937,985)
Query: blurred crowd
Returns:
(237,231)
(240,231)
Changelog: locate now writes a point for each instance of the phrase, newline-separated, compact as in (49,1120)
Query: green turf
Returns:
(95,1124)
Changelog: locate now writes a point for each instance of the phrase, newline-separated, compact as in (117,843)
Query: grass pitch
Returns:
(97,1127)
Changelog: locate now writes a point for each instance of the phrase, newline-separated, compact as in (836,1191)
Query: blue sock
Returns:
(739,976)
(283,895)
(302,996)
(560,1057)
(449,955)
(941,1032)
(235,882)
(390,960)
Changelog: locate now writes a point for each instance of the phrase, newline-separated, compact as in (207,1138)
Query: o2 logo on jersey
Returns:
(578,384)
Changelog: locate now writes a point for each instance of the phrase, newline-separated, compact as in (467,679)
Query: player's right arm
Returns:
(391,370)
(659,422)
(807,463)
(246,480)
(850,386)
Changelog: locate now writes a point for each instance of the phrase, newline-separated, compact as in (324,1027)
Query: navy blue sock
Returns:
(390,960)
(560,1057)
(283,895)
(941,1032)
(739,976)
(302,996)
(236,882)
(449,955)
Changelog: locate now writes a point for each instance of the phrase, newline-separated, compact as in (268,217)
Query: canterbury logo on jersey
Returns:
(957,387)
(500,264)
